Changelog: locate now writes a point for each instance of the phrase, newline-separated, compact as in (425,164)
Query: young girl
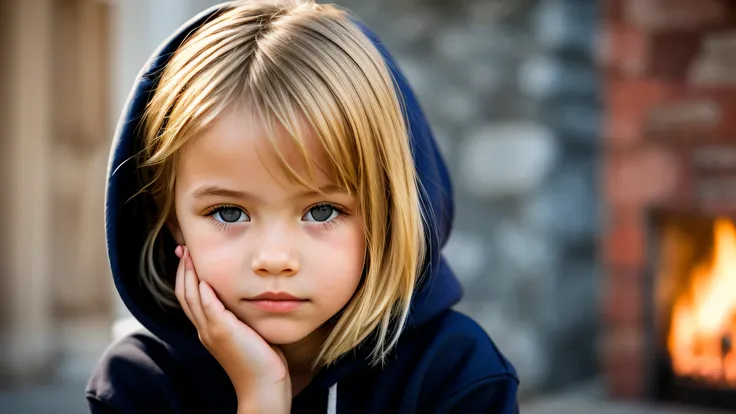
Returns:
(276,207)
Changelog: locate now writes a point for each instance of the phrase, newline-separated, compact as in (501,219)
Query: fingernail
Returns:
(178,250)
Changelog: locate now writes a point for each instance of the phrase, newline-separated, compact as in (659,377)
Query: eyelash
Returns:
(327,225)
(210,212)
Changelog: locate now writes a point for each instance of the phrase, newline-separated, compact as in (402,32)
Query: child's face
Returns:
(251,231)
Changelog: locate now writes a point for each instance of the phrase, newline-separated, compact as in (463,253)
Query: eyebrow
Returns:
(217,191)
(213,191)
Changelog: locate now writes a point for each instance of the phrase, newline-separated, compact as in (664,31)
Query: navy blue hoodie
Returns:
(444,361)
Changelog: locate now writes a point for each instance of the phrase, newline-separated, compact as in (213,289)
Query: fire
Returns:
(703,328)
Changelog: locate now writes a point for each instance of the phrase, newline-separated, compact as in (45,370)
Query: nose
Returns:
(275,256)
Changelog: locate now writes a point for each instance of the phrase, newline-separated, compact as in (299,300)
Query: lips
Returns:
(276,302)
(276,296)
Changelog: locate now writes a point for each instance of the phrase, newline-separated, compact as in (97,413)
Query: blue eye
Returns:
(229,215)
(321,213)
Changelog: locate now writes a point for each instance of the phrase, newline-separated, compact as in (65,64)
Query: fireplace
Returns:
(670,297)
(669,199)
(692,313)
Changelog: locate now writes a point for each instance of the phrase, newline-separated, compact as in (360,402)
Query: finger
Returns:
(217,315)
(221,323)
(179,285)
(191,292)
(211,304)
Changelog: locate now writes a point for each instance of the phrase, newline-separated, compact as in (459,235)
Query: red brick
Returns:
(704,115)
(628,102)
(627,51)
(691,117)
(624,241)
(624,362)
(623,50)
(626,379)
(640,177)
(677,15)
(612,10)
(671,55)
(623,299)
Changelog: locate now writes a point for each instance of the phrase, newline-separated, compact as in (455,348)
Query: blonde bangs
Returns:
(301,65)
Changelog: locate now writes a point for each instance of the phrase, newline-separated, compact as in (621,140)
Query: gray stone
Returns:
(575,122)
(539,77)
(579,210)
(410,30)
(507,159)
(529,252)
(462,44)
(538,303)
(575,357)
(457,104)
(416,73)
(487,77)
(465,307)
(450,104)
(445,143)
(466,255)
(576,299)
(56,396)
(491,317)
(563,25)
(545,77)
(520,344)
(493,12)
(567,203)
(368,11)
(502,285)
(508,105)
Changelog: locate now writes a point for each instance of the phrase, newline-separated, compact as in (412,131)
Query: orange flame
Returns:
(703,328)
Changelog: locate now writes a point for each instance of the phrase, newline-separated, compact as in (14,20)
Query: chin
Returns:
(281,332)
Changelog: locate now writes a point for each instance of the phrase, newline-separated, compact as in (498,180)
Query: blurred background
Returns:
(589,142)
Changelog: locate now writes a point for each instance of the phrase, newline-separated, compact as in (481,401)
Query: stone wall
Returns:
(510,89)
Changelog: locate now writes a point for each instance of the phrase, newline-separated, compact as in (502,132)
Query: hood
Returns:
(126,225)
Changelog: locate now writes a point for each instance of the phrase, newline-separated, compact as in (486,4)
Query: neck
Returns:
(301,356)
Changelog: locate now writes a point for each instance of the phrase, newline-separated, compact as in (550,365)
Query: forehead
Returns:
(239,144)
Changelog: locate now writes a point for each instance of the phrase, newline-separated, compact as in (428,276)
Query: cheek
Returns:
(215,265)
(218,260)
(338,265)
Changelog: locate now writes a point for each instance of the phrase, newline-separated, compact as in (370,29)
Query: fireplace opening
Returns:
(694,315)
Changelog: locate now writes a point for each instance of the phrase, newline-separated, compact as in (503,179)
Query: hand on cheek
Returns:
(257,370)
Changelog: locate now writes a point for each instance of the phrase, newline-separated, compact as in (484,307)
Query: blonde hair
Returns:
(296,61)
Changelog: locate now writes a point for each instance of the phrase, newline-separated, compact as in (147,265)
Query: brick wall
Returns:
(669,86)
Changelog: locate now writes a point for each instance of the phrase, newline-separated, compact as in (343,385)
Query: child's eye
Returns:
(321,213)
(229,215)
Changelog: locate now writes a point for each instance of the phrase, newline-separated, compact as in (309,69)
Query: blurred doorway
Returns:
(54,284)
(81,139)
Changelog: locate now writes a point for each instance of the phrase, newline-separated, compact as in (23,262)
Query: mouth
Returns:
(276,296)
(277,302)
